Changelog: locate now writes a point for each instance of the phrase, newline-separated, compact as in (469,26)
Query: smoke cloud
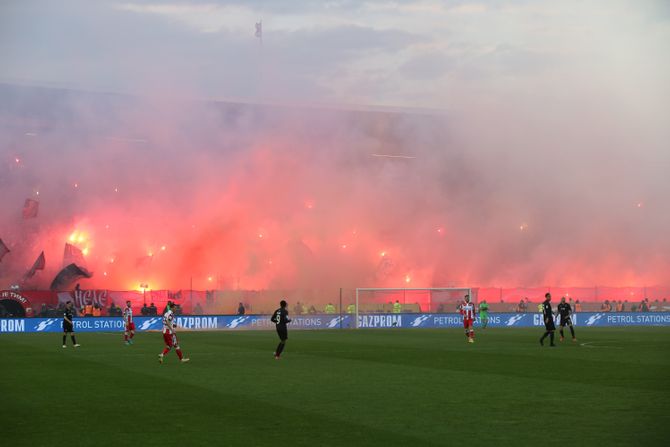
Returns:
(507,164)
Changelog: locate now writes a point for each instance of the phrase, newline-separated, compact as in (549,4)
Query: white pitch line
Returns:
(588,345)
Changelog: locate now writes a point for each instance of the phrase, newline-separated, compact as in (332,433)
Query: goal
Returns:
(370,300)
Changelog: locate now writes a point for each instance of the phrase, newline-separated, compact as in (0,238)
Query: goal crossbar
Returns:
(466,290)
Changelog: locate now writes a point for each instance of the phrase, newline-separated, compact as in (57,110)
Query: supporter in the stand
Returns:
(664,305)
(240,309)
(644,306)
(578,306)
(656,307)
(197,310)
(312,309)
(88,310)
(624,305)
(330,309)
(153,310)
(306,310)
(619,306)
(144,311)
(43,311)
(605,306)
(521,307)
(96,311)
(297,309)
(351,308)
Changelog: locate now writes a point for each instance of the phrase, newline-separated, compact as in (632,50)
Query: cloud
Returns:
(427,66)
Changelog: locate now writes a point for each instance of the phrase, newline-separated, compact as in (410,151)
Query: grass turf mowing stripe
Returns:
(394,387)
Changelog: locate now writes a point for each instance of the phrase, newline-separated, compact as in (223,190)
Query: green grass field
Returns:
(367,387)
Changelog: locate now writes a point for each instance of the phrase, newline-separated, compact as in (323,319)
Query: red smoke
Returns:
(244,197)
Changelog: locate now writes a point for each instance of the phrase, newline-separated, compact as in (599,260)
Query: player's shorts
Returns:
(550,326)
(282,331)
(130,326)
(67,327)
(170,340)
(566,321)
(467,322)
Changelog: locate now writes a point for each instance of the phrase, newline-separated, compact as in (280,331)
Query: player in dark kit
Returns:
(564,310)
(548,320)
(68,325)
(280,318)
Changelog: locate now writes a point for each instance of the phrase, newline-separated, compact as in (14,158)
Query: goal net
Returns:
(413,300)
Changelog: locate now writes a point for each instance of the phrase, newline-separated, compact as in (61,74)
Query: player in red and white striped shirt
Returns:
(467,309)
(129,331)
(170,336)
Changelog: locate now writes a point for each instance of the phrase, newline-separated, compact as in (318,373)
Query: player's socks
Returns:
(551,338)
(280,348)
(179,354)
(125,338)
(543,337)
(74,341)
(572,331)
(165,351)
(561,331)
(64,339)
(132,334)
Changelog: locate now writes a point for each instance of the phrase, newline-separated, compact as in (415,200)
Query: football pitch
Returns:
(404,387)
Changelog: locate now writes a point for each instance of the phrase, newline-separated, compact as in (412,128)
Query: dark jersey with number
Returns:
(546,310)
(280,317)
(564,310)
(67,315)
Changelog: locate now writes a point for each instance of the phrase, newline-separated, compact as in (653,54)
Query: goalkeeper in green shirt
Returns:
(484,313)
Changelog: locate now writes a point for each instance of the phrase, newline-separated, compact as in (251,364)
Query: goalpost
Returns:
(381,300)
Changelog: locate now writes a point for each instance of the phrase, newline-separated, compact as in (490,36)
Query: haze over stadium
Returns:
(354,144)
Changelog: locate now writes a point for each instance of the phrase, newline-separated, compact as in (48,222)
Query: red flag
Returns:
(38,265)
(3,249)
(30,208)
(72,255)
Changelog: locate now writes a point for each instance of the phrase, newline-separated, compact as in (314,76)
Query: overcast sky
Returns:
(413,53)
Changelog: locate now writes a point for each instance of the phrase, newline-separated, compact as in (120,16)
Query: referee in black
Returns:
(68,326)
(548,320)
(280,319)
(565,311)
